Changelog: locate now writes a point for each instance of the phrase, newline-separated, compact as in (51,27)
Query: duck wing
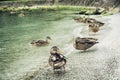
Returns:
(40,41)
(86,40)
(89,39)
(56,64)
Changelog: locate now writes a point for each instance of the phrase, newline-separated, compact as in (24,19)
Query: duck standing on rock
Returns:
(56,59)
(84,43)
(42,42)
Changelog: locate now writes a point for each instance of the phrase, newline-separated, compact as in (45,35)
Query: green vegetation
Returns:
(79,9)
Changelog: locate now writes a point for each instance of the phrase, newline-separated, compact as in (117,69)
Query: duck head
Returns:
(33,42)
(54,50)
(48,39)
(77,38)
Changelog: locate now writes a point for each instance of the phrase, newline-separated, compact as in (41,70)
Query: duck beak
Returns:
(59,51)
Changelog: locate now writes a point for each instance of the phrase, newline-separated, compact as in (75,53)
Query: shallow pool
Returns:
(16,32)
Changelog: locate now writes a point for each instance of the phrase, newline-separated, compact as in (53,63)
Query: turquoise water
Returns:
(16,33)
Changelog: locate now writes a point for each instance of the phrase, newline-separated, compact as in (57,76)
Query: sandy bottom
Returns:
(101,62)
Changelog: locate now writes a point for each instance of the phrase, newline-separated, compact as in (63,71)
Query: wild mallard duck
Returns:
(41,42)
(56,63)
(80,19)
(94,21)
(89,20)
(56,60)
(99,23)
(84,43)
(94,28)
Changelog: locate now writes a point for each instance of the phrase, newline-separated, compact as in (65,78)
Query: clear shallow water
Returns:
(16,33)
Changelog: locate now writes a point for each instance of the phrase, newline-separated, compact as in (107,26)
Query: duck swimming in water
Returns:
(84,43)
(42,42)
(56,59)
(80,19)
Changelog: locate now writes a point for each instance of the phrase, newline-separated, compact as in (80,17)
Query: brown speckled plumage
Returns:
(84,43)
(41,42)
(56,59)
